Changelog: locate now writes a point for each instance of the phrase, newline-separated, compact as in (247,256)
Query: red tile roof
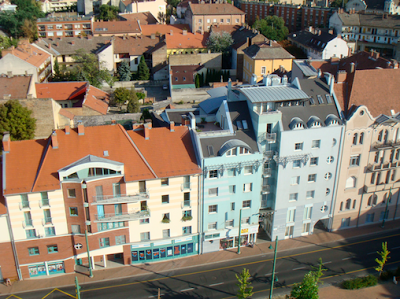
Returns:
(135,46)
(16,86)
(188,41)
(164,29)
(215,9)
(144,18)
(28,53)
(116,27)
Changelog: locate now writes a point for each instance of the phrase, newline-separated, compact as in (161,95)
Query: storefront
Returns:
(46,268)
(164,250)
(229,238)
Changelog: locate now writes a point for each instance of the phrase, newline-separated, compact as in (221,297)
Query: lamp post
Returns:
(88,255)
(387,204)
(273,268)
(240,230)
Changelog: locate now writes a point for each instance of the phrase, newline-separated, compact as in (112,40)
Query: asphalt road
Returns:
(341,259)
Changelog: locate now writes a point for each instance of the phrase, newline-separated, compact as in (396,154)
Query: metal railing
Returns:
(383,166)
(47,220)
(125,216)
(269,154)
(24,205)
(380,187)
(266,189)
(267,172)
(26,223)
(121,198)
(268,137)
(185,186)
(186,204)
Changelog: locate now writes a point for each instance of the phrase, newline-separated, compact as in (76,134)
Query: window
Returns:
(229,223)
(316,144)
(298,146)
(50,231)
(370,218)
(341,206)
(104,242)
(328,176)
(382,214)
(345,222)
(231,172)
(30,233)
(212,225)
(208,20)
(296,163)
(186,230)
(164,182)
(228,20)
(246,204)
(290,215)
(355,160)
(231,152)
(361,140)
(165,199)
(295,180)
(165,217)
(246,220)
(306,227)
(213,209)
(354,204)
(263,70)
(289,231)
(49,26)
(293,196)
(215,21)
(232,189)
(45,198)
(329,160)
(310,194)
(248,170)
(355,137)
(247,187)
(237,20)
(166,233)
(120,240)
(232,206)
(348,204)
(73,211)
(59,26)
(213,174)
(307,213)
(351,182)
(184,78)
(52,249)
(145,236)
(312,178)
(25,201)
(314,161)
(75,229)
(213,192)
(144,221)
(33,251)
(380,135)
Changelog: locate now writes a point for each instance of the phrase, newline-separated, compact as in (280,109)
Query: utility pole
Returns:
(240,230)
(386,209)
(78,288)
(88,256)
(273,268)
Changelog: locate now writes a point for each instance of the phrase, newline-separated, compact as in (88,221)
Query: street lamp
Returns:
(273,268)
(240,230)
(88,254)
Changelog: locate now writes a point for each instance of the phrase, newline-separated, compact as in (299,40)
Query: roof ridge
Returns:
(39,170)
(137,150)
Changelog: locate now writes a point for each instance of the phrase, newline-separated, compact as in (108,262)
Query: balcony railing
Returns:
(383,166)
(269,154)
(380,187)
(125,216)
(44,203)
(47,220)
(26,223)
(24,205)
(268,137)
(185,186)
(266,189)
(122,198)
(267,172)
(186,204)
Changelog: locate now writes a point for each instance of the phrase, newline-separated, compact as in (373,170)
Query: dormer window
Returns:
(231,152)
(299,126)
(316,124)
(244,151)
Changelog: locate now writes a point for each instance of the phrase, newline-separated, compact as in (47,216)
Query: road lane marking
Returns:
(299,268)
(241,265)
(54,290)
(153,296)
(327,263)
(216,284)
(189,289)
(347,258)
(371,253)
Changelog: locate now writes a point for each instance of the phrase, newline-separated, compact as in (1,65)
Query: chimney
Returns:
(89,37)
(319,73)
(81,129)
(171,32)
(54,140)
(146,132)
(184,32)
(67,130)
(72,42)
(57,44)
(253,79)
(352,67)
(49,46)
(6,142)
(153,36)
(9,74)
(29,96)
(172,126)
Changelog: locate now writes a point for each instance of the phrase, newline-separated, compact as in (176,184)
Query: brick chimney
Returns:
(89,37)
(172,126)
(184,32)
(81,129)
(6,142)
(146,131)
(67,130)
(153,36)
(54,140)
(171,32)
(72,42)
(49,46)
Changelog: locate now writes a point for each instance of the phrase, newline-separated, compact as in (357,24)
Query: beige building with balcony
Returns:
(59,27)
(369,178)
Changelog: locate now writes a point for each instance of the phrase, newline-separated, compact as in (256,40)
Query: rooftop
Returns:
(188,41)
(163,29)
(65,19)
(16,86)
(373,20)
(215,9)
(259,94)
(134,45)
(318,39)
(267,50)
(116,27)
(144,18)
(28,53)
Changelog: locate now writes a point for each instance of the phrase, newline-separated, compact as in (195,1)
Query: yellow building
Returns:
(265,58)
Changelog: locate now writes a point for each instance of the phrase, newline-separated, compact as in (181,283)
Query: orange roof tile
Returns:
(28,53)
(60,91)
(164,29)
(175,156)
(144,18)
(189,41)
(97,100)
(16,86)
(215,9)
(66,113)
(116,27)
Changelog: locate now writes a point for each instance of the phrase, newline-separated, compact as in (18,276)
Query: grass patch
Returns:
(360,282)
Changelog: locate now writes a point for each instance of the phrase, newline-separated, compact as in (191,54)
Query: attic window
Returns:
(334,122)
(210,149)
(245,126)
(298,126)
(320,100)
(316,124)
(105,153)
(239,125)
(328,99)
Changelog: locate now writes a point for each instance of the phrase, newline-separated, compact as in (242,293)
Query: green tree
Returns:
(272,27)
(339,3)
(16,120)
(219,42)
(308,288)
(124,71)
(127,96)
(162,18)
(108,12)
(197,81)
(173,3)
(88,68)
(143,72)
(245,290)
(145,114)
(5,43)
(384,254)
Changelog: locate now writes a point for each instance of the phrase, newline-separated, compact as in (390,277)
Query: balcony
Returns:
(125,216)
(382,166)
(186,186)
(266,189)
(269,154)
(267,172)
(382,145)
(24,205)
(268,137)
(44,203)
(122,198)
(47,220)
(27,223)
(380,187)
(186,204)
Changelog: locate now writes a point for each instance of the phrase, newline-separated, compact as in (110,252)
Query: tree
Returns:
(29,30)
(162,17)
(16,120)
(145,114)
(384,254)
(339,3)
(245,290)
(273,27)
(108,12)
(219,42)
(5,43)
(123,95)
(308,288)
(143,72)
(88,68)
(124,71)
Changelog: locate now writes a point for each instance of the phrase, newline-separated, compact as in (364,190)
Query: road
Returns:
(218,280)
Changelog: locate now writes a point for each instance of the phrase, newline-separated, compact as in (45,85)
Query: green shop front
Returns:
(46,268)
(165,249)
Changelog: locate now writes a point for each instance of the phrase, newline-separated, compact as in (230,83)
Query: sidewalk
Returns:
(194,261)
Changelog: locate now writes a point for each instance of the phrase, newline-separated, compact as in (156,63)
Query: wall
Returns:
(107,58)
(209,60)
(7,261)
(336,48)
(189,95)
(17,67)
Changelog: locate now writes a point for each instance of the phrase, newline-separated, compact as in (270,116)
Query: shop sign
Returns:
(244,230)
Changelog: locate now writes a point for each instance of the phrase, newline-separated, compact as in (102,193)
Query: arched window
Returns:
(369,203)
(386,136)
(375,199)
(354,204)
(361,140)
(348,204)
(355,137)
(380,135)
(376,159)
(351,182)
(341,206)
(373,178)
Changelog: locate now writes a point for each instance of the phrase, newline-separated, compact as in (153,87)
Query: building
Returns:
(365,32)
(67,26)
(183,76)
(368,182)
(27,59)
(7,6)
(144,18)
(136,206)
(58,5)
(319,44)
(264,58)
(116,28)
(387,6)
(186,43)
(201,16)
(153,6)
